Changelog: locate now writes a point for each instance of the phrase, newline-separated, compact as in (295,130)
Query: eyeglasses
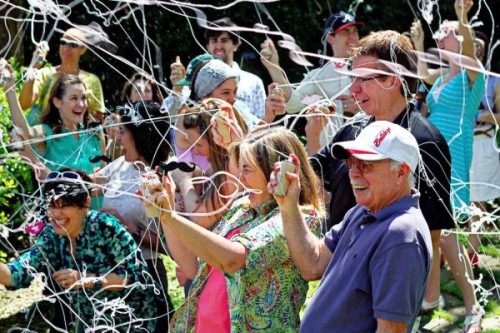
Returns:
(363,80)
(71,43)
(362,166)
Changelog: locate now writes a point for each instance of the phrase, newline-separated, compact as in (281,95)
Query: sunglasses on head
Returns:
(444,32)
(63,175)
(68,177)
(71,43)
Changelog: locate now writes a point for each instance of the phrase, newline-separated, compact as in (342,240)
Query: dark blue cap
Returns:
(339,21)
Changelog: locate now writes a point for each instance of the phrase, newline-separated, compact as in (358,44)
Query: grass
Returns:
(492,250)
(175,291)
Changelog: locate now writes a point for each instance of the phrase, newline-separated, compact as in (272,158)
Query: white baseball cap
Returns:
(381,140)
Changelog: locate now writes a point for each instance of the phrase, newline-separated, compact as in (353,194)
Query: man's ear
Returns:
(236,46)
(330,39)
(395,82)
(404,171)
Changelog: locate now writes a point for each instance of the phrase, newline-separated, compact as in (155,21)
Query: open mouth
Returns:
(360,102)
(358,187)
(62,224)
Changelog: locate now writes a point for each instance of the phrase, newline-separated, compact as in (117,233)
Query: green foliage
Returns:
(442,314)
(15,177)
(492,308)
(175,291)
(450,287)
(490,249)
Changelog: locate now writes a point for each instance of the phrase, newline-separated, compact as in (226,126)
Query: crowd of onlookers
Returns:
(398,155)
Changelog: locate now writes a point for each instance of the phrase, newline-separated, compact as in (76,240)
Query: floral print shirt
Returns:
(103,246)
(267,293)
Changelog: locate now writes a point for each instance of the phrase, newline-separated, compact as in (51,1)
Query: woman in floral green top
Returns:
(246,278)
(91,257)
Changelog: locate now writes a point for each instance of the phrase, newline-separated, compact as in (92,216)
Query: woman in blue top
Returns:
(61,140)
(92,257)
(452,103)
(455,97)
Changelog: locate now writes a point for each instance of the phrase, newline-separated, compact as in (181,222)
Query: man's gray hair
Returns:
(411,176)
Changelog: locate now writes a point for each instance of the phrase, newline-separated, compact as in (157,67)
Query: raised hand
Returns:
(6,75)
(275,104)
(417,35)
(177,72)
(291,196)
(269,54)
(462,8)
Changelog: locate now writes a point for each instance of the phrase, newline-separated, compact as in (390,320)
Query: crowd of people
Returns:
(398,155)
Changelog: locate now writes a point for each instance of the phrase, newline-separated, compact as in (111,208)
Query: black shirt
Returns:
(433,184)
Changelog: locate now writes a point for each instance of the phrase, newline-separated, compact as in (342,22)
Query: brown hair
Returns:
(50,115)
(127,88)
(391,46)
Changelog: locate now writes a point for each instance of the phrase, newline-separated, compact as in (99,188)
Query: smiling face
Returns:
(226,91)
(343,41)
(253,178)
(72,106)
(66,219)
(375,184)
(223,47)
(378,95)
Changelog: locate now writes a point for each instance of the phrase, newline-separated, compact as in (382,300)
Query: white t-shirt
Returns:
(119,193)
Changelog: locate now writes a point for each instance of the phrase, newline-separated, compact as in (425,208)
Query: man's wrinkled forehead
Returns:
(365,65)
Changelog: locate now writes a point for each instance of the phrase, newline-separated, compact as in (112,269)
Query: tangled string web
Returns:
(42,20)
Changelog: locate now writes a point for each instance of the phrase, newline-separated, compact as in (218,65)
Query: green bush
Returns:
(15,181)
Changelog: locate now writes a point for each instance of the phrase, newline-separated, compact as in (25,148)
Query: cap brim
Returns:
(342,27)
(342,150)
(183,82)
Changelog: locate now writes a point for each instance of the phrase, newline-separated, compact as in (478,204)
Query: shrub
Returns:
(15,181)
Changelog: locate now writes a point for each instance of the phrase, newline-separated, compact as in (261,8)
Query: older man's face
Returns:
(374,92)
(375,184)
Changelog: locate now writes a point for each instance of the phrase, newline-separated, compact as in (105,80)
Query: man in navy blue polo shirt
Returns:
(374,263)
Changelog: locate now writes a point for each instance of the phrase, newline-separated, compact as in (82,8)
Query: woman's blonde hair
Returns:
(264,148)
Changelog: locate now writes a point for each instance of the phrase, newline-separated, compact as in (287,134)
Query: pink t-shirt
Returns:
(212,314)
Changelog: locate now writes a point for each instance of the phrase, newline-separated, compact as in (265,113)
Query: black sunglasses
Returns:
(71,43)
